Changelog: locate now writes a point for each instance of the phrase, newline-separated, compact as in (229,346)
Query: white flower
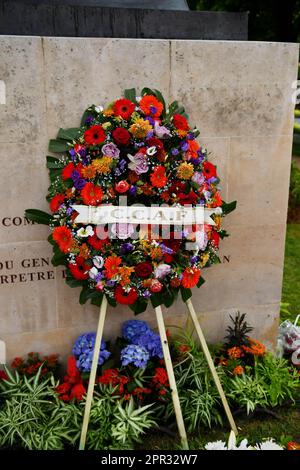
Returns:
(217,445)
(151,150)
(93,272)
(218,210)
(84,232)
(269,444)
(98,261)
(99,109)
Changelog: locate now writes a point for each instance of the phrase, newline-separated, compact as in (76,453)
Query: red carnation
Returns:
(121,136)
(77,392)
(96,242)
(180,122)
(155,142)
(123,108)
(190,198)
(79,270)
(215,238)
(91,194)
(122,186)
(56,202)
(67,171)
(143,269)
(95,135)
(209,170)
(124,297)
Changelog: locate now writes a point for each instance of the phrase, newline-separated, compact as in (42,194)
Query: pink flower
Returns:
(122,186)
(156,286)
(122,231)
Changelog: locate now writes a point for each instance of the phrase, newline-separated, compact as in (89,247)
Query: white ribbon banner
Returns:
(107,214)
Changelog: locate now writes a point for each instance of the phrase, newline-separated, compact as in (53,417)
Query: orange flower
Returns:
(156,253)
(235,352)
(150,106)
(293,445)
(63,237)
(190,277)
(238,370)
(158,177)
(88,172)
(111,265)
(256,348)
(125,273)
(84,251)
(147,190)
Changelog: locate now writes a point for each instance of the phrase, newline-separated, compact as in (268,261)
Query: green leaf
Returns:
(73,282)
(156,299)
(201,281)
(169,296)
(58,257)
(54,163)
(69,134)
(111,301)
(130,94)
(40,217)
(228,207)
(139,306)
(58,146)
(86,113)
(185,294)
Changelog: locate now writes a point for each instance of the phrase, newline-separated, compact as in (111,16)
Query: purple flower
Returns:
(89,119)
(153,109)
(83,350)
(162,271)
(184,145)
(126,248)
(69,211)
(132,329)
(133,190)
(151,120)
(175,152)
(73,154)
(198,178)
(201,155)
(166,249)
(136,355)
(147,294)
(194,259)
(190,136)
(151,342)
(111,150)
(79,182)
(121,167)
(138,163)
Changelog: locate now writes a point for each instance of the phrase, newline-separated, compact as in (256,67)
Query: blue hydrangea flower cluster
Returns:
(144,343)
(134,354)
(83,350)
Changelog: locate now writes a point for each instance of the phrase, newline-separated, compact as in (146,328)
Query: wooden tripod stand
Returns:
(169,368)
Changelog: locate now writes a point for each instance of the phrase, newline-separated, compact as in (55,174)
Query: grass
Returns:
(255,428)
(291,274)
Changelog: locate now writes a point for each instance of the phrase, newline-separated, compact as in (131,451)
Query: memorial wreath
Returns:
(140,151)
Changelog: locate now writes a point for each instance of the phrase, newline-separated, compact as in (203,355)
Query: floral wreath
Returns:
(138,148)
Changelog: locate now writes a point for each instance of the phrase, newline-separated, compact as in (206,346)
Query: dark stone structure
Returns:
(85,19)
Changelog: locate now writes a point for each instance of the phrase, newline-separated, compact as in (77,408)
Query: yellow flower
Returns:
(108,112)
(106,125)
(140,128)
(102,165)
(181,133)
(185,171)
(204,259)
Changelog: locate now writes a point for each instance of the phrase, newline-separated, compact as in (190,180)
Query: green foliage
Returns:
(237,335)
(40,217)
(198,395)
(294,199)
(271,385)
(291,276)
(26,417)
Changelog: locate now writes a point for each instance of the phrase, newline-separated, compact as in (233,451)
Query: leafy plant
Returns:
(294,198)
(246,391)
(237,335)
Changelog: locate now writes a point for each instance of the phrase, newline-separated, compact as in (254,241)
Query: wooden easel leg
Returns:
(211,365)
(89,396)
(171,377)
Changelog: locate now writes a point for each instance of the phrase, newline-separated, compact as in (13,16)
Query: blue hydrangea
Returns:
(132,329)
(136,355)
(83,350)
(152,343)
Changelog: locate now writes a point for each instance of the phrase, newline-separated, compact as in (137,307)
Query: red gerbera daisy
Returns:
(158,177)
(209,170)
(190,277)
(79,270)
(180,122)
(63,237)
(91,194)
(56,202)
(123,108)
(111,265)
(150,106)
(95,135)
(215,238)
(124,297)
(67,171)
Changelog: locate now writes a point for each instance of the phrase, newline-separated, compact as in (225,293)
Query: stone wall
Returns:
(239,95)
